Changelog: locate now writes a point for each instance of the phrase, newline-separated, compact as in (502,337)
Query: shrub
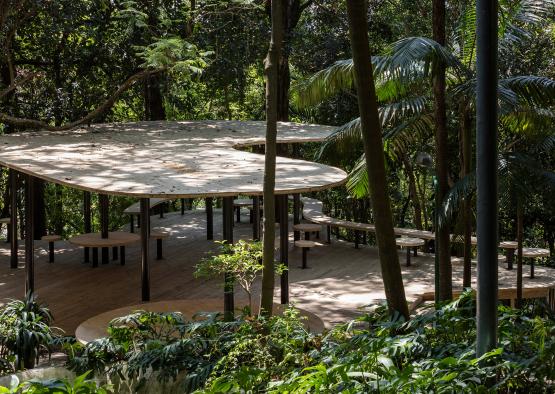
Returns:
(25,332)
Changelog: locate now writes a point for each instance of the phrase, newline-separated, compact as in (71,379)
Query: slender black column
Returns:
(229,303)
(104,206)
(209,203)
(486,175)
(145,226)
(182,206)
(256,218)
(296,214)
(284,245)
(13,218)
(87,219)
(29,232)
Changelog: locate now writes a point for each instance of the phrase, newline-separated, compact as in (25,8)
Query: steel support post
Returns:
(29,232)
(145,235)
(486,175)
(229,302)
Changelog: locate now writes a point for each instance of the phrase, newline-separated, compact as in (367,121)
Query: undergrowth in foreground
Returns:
(433,352)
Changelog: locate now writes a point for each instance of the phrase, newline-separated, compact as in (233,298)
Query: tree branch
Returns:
(105,106)
(15,84)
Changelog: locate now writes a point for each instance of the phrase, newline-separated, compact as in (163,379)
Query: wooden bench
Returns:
(409,243)
(51,239)
(307,228)
(240,203)
(135,210)
(305,245)
(159,236)
(115,239)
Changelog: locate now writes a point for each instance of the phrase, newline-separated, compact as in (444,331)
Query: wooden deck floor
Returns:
(340,280)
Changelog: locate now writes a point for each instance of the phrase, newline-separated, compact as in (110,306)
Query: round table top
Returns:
(51,238)
(508,245)
(115,238)
(168,159)
(96,327)
(307,227)
(409,242)
(243,202)
(535,252)
(302,243)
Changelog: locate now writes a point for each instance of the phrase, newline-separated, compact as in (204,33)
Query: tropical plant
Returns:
(25,332)
(242,261)
(79,385)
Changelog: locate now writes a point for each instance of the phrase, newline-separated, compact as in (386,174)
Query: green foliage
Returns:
(80,385)
(433,352)
(25,332)
(242,261)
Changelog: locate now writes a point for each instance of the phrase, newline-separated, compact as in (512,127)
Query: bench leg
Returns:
(356,239)
(115,253)
(307,235)
(531,268)
(304,266)
(238,214)
(131,223)
(87,258)
(162,211)
(510,258)
(122,255)
(51,252)
(105,255)
(159,249)
(329,235)
(95,257)
(408,257)
(415,249)
(182,206)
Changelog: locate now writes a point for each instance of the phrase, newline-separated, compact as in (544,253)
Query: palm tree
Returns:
(375,165)
(402,77)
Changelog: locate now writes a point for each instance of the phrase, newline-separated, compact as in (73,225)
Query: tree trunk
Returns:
(519,239)
(154,103)
(443,247)
(413,195)
(271,71)
(466,142)
(375,162)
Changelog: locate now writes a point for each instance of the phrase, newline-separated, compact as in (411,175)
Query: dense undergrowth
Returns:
(433,352)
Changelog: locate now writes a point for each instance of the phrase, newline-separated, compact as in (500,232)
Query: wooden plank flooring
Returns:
(340,280)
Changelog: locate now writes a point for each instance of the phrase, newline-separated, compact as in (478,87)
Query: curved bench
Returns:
(135,210)
(313,212)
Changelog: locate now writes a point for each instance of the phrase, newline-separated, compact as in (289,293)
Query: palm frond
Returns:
(412,56)
(515,18)
(357,185)
(463,189)
(324,84)
(531,89)
(342,139)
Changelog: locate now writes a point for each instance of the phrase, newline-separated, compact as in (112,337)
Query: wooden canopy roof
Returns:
(167,159)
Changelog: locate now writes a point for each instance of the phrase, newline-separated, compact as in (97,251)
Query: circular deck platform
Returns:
(96,326)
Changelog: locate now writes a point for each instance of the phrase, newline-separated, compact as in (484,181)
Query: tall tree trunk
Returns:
(443,247)
(413,194)
(466,153)
(271,71)
(519,239)
(154,103)
(375,162)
